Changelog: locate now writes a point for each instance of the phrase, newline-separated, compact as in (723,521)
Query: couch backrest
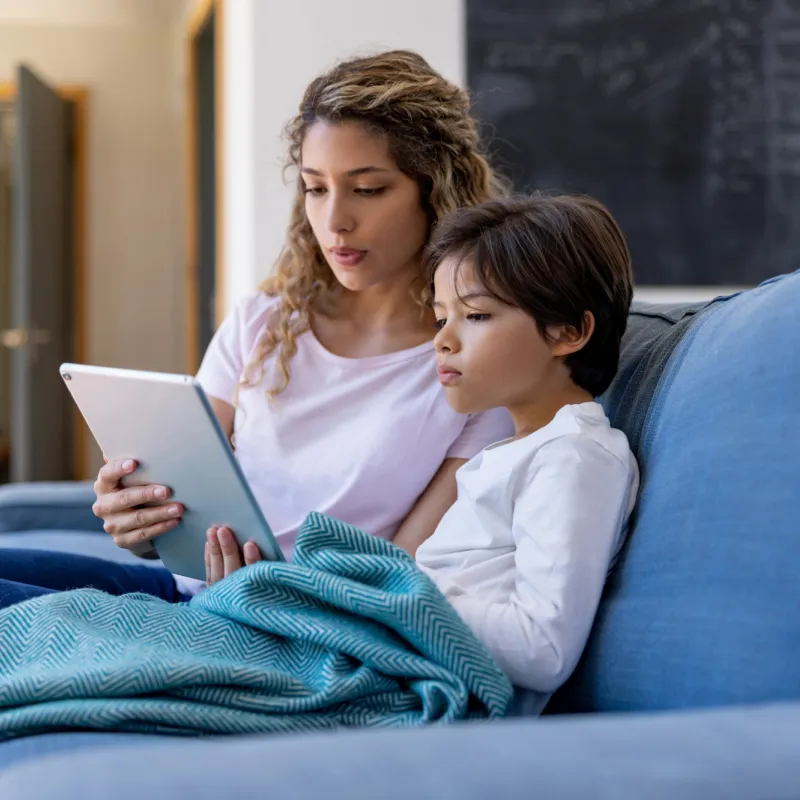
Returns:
(703,607)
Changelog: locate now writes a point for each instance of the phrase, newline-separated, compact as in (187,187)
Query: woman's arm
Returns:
(224,412)
(429,509)
(479,431)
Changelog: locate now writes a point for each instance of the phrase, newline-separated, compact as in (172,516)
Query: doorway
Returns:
(42,285)
(204,139)
(6,142)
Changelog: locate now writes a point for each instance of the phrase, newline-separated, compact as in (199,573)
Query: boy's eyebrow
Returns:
(350,173)
(471,296)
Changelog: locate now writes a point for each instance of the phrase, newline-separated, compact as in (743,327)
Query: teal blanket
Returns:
(350,634)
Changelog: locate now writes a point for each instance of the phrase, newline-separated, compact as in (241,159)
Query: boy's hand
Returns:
(223,555)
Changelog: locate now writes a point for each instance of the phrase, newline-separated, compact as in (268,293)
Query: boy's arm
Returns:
(566,526)
(429,509)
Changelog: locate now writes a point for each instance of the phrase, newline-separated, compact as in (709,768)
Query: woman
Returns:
(326,379)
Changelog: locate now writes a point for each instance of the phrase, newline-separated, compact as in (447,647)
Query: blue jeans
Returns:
(30,573)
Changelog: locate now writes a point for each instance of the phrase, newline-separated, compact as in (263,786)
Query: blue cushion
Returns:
(704,606)
(40,506)
(732,753)
(652,334)
(14,752)
(97,545)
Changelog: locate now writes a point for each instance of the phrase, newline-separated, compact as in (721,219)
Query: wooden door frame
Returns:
(79,97)
(199,18)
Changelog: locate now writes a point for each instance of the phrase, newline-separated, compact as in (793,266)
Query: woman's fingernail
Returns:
(210,534)
(161,492)
(174,511)
(127,465)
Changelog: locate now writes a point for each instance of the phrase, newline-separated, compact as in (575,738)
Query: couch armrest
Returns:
(736,753)
(48,506)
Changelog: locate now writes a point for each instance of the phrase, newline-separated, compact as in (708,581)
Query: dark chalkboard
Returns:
(683,116)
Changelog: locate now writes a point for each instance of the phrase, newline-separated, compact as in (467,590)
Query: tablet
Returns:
(166,424)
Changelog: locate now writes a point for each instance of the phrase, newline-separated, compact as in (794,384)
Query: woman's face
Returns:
(365,213)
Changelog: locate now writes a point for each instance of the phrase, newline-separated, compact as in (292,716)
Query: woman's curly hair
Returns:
(432,138)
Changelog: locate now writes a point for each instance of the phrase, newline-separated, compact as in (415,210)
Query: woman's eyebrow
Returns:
(350,173)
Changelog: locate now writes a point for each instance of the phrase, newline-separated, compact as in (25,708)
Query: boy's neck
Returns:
(531,417)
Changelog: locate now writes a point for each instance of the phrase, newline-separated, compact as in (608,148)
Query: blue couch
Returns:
(694,659)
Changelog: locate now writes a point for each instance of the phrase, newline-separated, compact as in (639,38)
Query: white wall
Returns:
(124,52)
(683,294)
(272,50)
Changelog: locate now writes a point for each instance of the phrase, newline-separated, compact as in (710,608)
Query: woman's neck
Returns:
(381,308)
(376,321)
(377,309)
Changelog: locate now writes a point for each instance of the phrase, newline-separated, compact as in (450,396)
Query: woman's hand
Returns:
(223,555)
(128,525)
(117,507)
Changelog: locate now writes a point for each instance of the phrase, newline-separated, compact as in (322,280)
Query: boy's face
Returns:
(489,354)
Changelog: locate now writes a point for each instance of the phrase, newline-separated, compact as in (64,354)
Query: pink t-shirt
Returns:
(356,438)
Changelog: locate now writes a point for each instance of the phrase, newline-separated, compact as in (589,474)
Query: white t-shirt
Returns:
(358,439)
(523,553)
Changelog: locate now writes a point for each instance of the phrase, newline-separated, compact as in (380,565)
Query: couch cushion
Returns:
(39,506)
(96,545)
(14,752)
(736,754)
(704,606)
(652,334)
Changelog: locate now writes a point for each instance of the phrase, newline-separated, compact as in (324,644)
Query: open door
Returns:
(41,288)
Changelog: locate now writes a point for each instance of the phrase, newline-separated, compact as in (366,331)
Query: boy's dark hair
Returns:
(555,257)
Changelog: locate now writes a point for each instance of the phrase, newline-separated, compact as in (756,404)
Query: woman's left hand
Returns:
(224,556)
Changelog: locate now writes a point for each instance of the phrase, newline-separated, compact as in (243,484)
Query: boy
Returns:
(532,297)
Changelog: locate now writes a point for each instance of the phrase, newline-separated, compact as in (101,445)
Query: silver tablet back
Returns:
(166,423)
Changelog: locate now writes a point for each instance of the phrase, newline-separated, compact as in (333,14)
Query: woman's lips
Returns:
(348,257)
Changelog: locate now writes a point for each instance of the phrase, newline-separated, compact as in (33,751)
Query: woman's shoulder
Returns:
(255,308)
(250,316)
(234,342)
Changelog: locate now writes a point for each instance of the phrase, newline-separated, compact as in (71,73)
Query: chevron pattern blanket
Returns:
(350,634)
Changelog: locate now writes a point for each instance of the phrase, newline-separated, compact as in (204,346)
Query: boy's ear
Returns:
(566,340)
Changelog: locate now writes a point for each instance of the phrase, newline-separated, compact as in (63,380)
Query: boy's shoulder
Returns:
(585,428)
(578,433)
(580,448)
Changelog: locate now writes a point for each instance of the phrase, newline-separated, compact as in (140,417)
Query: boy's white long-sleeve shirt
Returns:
(523,553)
